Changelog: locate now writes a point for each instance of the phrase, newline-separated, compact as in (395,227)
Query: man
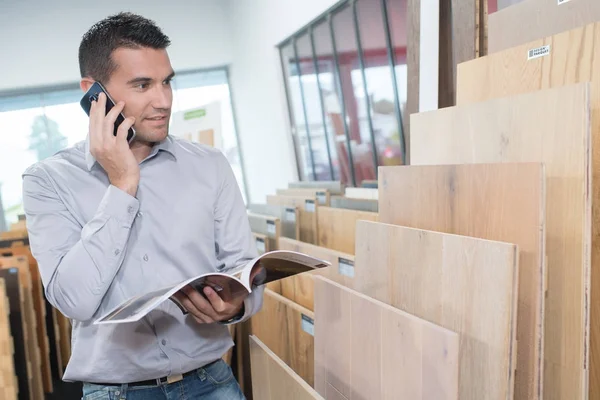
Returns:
(108,220)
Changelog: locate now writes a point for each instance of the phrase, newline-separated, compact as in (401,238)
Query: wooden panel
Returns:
(270,227)
(322,194)
(534,19)
(307,211)
(17,327)
(262,242)
(274,379)
(65,328)
(287,215)
(367,349)
(461,283)
(362,193)
(279,326)
(571,60)
(39,305)
(354,204)
(334,187)
(337,227)
(503,202)
(8,378)
(300,288)
(493,131)
(32,350)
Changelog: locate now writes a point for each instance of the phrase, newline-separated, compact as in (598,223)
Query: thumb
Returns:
(124,128)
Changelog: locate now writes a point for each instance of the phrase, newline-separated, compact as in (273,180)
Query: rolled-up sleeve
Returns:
(77,263)
(234,242)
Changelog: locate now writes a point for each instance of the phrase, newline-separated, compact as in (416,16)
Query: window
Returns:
(36,125)
(346,84)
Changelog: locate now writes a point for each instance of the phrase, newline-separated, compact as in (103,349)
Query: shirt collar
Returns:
(164,145)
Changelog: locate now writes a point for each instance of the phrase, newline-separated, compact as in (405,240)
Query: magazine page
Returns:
(280,264)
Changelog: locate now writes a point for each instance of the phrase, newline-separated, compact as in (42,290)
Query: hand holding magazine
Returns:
(268,267)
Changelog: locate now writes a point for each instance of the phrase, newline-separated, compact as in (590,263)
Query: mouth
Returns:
(159,118)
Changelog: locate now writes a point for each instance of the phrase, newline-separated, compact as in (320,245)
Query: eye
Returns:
(167,82)
(142,86)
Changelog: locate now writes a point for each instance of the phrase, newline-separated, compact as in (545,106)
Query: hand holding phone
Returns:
(112,151)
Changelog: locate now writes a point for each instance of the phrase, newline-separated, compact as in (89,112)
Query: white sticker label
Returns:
(346,267)
(322,197)
(260,245)
(290,214)
(308,325)
(309,206)
(538,52)
(563,2)
(271,227)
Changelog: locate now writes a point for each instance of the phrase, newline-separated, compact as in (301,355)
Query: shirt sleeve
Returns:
(77,263)
(233,235)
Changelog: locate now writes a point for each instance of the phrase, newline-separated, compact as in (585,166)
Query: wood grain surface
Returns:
(503,202)
(8,378)
(307,218)
(535,19)
(367,349)
(572,59)
(531,128)
(337,227)
(279,326)
(273,379)
(464,284)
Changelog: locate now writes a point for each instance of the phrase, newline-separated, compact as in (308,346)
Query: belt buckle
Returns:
(174,378)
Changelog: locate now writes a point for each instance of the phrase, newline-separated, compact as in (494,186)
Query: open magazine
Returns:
(275,265)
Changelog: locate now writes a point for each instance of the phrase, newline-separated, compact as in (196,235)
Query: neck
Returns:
(141,149)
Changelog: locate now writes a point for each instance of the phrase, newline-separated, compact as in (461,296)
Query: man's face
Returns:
(143,81)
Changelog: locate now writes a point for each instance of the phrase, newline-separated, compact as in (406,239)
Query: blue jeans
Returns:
(214,382)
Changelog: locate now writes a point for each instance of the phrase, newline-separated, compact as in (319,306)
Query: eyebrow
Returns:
(143,79)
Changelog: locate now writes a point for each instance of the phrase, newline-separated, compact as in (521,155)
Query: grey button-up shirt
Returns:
(97,246)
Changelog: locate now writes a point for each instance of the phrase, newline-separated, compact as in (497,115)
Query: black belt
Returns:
(158,381)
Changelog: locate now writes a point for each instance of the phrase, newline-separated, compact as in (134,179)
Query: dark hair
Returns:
(121,30)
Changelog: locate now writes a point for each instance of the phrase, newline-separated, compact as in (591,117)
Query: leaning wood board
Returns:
(321,194)
(337,227)
(268,226)
(32,350)
(286,328)
(300,288)
(307,210)
(503,202)
(8,378)
(461,283)
(274,379)
(39,305)
(534,19)
(367,349)
(23,368)
(572,59)
(288,216)
(531,128)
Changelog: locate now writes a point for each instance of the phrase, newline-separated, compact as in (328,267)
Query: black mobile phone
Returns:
(92,95)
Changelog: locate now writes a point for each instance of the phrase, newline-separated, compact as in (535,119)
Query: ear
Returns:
(86,83)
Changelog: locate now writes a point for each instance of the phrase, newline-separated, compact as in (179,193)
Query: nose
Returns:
(162,97)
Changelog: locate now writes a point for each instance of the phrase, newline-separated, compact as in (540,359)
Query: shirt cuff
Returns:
(120,205)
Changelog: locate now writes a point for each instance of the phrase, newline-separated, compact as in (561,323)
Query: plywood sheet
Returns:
(337,227)
(32,350)
(535,19)
(531,128)
(274,379)
(571,60)
(8,378)
(504,202)
(307,210)
(17,327)
(367,349)
(461,283)
(288,216)
(287,329)
(39,305)
(300,288)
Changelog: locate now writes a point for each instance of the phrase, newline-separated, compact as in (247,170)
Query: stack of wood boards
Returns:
(287,329)
(337,227)
(267,228)
(274,379)
(572,359)
(333,187)
(8,379)
(322,195)
(288,216)
(351,203)
(307,213)
(501,202)
(366,349)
